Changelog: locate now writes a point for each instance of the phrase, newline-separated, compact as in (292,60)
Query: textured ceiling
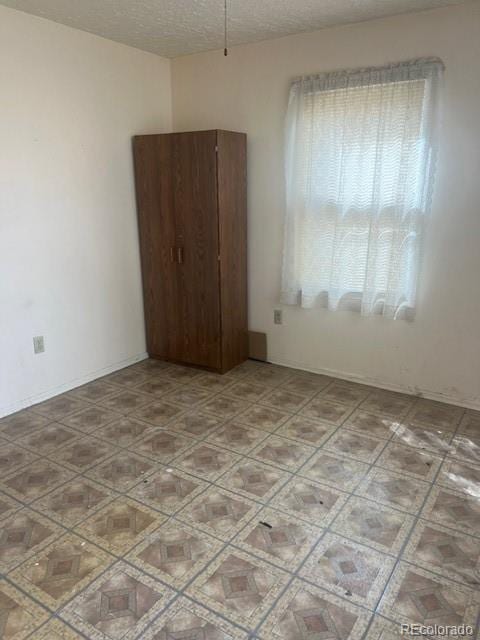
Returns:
(177,27)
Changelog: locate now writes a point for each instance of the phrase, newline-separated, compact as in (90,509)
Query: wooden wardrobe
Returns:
(191,199)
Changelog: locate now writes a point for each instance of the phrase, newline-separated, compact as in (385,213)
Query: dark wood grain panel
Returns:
(196,224)
(156,223)
(232,208)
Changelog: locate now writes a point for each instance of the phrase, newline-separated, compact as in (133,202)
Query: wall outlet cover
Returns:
(38,344)
(277,316)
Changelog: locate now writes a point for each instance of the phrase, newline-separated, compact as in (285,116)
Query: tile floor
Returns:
(166,503)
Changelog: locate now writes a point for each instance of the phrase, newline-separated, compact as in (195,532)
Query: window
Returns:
(359,167)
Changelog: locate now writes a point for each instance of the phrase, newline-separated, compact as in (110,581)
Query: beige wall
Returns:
(69,259)
(439,353)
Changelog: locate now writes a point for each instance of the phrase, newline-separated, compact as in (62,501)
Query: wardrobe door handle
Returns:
(180,255)
(172,254)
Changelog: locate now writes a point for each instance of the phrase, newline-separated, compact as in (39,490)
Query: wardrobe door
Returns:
(156,221)
(198,331)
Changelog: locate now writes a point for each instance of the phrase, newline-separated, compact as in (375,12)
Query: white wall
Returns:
(69,258)
(438,354)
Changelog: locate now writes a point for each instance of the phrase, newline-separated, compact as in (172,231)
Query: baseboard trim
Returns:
(72,384)
(469,403)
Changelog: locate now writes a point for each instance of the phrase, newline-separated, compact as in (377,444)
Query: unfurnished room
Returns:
(239,319)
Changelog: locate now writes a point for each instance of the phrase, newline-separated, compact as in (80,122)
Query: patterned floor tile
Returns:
(128,377)
(183,374)
(60,570)
(245,368)
(56,630)
(196,424)
(264,418)
(437,414)
(219,512)
(175,553)
(237,437)
(419,464)
(135,432)
(377,425)
(450,553)
(74,501)
(247,391)
(91,419)
(83,453)
(120,525)
(452,509)
(239,586)
(21,424)
(22,535)
(123,432)
(320,379)
(284,400)
(126,401)
(188,396)
(52,436)
(321,409)
(163,446)
(460,476)
(152,366)
(235,375)
(423,437)
(309,501)
(190,621)
(254,480)
(60,406)
(225,407)
(35,480)
(305,612)
(336,471)
(212,382)
(347,393)
(393,489)
(13,457)
(417,596)
(168,490)
(278,538)
(379,527)
(270,375)
(355,445)
(389,403)
(348,569)
(118,605)
(158,413)
(19,615)
(282,453)
(8,506)
(306,386)
(122,471)
(312,432)
(465,448)
(206,461)
(470,424)
(157,387)
(94,391)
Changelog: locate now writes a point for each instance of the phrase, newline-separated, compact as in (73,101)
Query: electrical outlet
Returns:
(38,344)
(277,316)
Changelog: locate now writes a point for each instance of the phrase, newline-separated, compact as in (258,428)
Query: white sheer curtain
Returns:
(359,173)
